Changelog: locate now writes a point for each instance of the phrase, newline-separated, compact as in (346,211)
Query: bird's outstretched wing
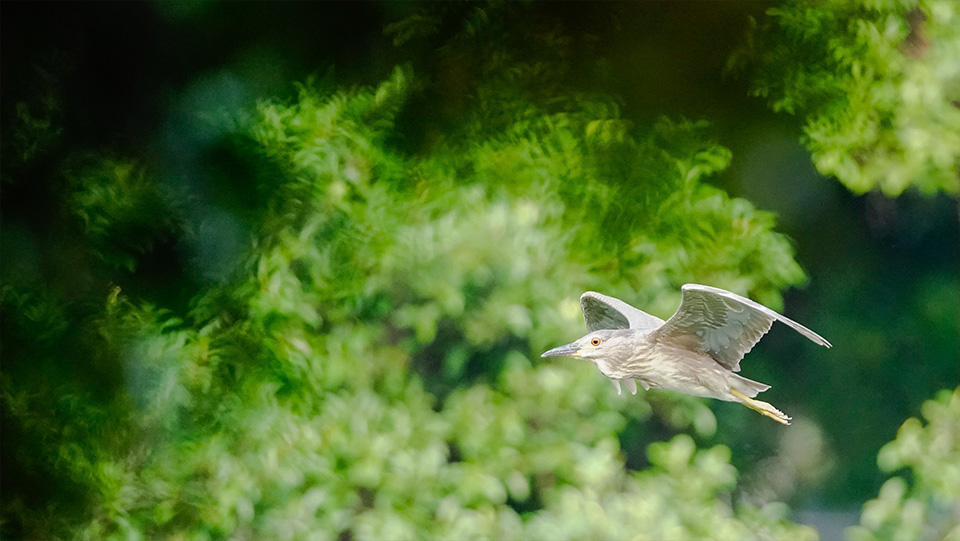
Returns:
(603,312)
(722,324)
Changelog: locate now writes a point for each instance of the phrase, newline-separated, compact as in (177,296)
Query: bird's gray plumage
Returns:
(603,312)
(723,325)
(696,351)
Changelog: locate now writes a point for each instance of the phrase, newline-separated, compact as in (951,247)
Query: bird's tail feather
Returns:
(749,387)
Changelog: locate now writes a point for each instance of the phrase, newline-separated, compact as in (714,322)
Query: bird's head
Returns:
(596,345)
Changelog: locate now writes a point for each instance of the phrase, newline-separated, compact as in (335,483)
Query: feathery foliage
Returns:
(875,83)
(371,369)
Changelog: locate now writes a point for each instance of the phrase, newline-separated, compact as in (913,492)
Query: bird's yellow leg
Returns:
(763,408)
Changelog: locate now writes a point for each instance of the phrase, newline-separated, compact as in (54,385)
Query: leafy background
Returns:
(284,271)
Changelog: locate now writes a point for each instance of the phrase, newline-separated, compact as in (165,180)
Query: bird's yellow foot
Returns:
(763,408)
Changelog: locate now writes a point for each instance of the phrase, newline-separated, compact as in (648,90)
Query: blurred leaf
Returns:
(925,507)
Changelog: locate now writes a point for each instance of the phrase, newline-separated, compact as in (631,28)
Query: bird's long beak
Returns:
(569,350)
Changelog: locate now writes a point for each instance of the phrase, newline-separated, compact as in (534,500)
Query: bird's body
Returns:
(697,351)
(663,366)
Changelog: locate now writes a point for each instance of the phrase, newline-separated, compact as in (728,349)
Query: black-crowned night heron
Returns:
(697,351)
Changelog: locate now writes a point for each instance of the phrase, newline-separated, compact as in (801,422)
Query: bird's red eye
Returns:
(595,341)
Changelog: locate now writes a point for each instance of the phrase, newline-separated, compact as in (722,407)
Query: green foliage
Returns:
(924,507)
(123,212)
(36,128)
(372,369)
(875,83)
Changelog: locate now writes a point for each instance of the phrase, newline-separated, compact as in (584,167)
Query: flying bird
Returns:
(697,351)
